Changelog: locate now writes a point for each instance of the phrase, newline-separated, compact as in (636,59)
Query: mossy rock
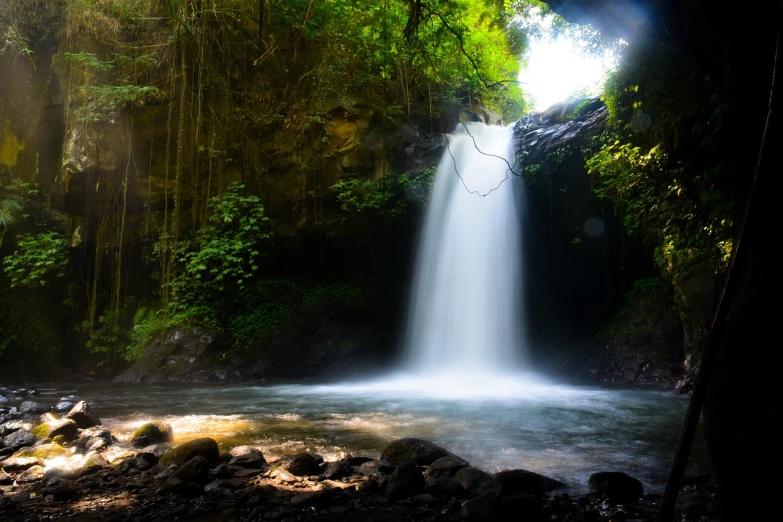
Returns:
(204,447)
(151,433)
(59,439)
(44,452)
(48,430)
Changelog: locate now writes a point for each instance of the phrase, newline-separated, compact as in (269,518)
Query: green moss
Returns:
(41,432)
(205,447)
(44,452)
(59,439)
(151,433)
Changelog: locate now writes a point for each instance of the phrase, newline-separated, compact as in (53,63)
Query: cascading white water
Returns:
(465,313)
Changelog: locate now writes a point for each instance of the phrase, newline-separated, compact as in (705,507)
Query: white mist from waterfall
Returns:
(465,316)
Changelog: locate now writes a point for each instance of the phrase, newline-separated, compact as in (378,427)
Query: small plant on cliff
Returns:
(224,257)
(37,259)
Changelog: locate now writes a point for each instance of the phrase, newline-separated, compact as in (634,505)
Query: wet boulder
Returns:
(337,470)
(301,465)
(151,433)
(447,487)
(419,451)
(63,406)
(481,508)
(195,470)
(19,439)
(615,486)
(445,467)
(373,468)
(82,416)
(515,481)
(407,480)
(65,427)
(204,447)
(33,407)
(156,449)
(473,478)
(247,457)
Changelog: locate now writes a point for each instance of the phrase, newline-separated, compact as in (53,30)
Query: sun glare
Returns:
(557,69)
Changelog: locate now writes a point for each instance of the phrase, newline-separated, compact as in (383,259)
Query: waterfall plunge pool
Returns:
(501,422)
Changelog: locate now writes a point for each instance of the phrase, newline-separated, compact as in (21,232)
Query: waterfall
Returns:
(465,315)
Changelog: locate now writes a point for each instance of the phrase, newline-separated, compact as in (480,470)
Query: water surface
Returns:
(567,432)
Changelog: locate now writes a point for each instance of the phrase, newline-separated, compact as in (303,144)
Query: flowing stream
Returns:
(464,383)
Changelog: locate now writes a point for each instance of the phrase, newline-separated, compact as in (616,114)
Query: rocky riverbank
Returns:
(57,461)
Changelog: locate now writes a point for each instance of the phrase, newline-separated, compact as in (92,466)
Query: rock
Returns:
(204,447)
(19,439)
(407,480)
(337,470)
(195,470)
(175,485)
(283,476)
(5,478)
(444,487)
(481,508)
(83,417)
(311,499)
(48,417)
(522,481)
(94,462)
(14,464)
(247,457)
(33,407)
(375,467)
(246,473)
(357,461)
(63,406)
(91,433)
(15,425)
(65,427)
(473,478)
(151,433)
(445,467)
(44,451)
(61,490)
(31,474)
(615,486)
(522,505)
(3,399)
(62,474)
(96,444)
(301,465)
(418,451)
(156,449)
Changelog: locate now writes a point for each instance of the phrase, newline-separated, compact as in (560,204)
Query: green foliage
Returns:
(105,102)
(223,259)
(659,159)
(644,293)
(390,195)
(107,338)
(37,259)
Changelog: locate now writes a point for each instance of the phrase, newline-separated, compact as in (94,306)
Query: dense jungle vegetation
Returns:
(192,163)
